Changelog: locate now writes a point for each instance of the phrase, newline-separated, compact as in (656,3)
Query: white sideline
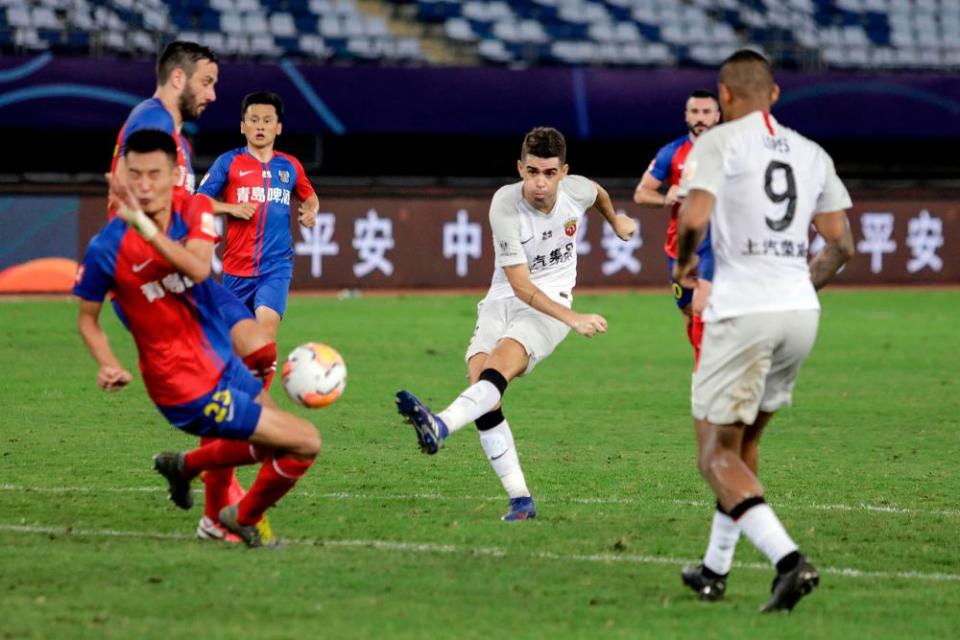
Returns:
(338,495)
(496,552)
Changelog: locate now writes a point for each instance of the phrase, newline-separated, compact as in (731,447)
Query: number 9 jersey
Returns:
(769,182)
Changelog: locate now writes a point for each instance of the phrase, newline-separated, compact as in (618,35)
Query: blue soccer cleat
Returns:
(430,429)
(521,509)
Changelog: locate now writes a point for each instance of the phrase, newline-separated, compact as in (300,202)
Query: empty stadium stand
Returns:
(803,34)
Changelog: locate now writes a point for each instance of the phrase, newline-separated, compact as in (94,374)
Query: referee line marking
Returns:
(888,509)
(494,552)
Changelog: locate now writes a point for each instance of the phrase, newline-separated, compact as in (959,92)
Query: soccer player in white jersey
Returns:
(759,185)
(527,311)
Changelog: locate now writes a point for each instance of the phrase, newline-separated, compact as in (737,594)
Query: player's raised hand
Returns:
(624,226)
(243,210)
(308,217)
(113,378)
(686,274)
(589,324)
(120,198)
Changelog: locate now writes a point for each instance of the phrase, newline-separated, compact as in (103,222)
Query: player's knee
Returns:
(248,337)
(305,439)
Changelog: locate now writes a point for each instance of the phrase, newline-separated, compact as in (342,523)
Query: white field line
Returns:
(340,495)
(495,552)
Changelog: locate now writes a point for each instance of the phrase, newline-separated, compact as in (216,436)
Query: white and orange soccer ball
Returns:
(314,375)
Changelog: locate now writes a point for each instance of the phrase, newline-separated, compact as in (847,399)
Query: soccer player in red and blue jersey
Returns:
(186,76)
(155,257)
(702,113)
(255,184)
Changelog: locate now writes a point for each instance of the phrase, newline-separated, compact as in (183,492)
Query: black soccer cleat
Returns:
(789,587)
(704,586)
(169,465)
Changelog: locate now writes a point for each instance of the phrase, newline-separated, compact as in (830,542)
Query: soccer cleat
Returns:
(789,587)
(209,529)
(707,588)
(168,464)
(430,428)
(253,535)
(521,509)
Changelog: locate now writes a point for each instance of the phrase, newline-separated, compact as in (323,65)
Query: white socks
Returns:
(498,444)
(765,531)
(724,535)
(479,398)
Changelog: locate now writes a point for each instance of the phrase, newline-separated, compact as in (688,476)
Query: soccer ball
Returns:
(314,375)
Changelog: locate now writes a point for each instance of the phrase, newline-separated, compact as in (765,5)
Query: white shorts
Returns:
(750,363)
(538,333)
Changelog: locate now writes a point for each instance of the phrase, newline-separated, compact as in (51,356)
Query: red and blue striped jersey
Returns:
(151,114)
(668,167)
(181,338)
(262,243)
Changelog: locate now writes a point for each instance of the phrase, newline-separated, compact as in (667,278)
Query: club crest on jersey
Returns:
(284,176)
(570,227)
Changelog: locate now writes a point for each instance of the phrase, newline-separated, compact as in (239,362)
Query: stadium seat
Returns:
(904,34)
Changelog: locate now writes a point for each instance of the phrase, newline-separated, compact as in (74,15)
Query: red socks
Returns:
(220,454)
(263,363)
(277,476)
(220,484)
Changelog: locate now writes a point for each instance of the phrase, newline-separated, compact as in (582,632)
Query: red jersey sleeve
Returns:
(198,214)
(303,188)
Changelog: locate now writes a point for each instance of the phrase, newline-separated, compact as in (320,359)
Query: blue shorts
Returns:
(269,290)
(229,410)
(229,307)
(683,295)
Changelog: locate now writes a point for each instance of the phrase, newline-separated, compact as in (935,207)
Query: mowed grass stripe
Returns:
(880,509)
(496,552)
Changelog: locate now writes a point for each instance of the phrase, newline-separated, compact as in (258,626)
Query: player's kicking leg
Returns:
(480,403)
(248,431)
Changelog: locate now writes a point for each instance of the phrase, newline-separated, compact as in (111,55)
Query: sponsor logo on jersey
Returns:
(570,227)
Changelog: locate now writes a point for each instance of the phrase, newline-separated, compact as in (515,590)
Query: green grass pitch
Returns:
(386,542)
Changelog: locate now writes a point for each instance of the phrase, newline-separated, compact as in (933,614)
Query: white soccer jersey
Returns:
(546,242)
(769,182)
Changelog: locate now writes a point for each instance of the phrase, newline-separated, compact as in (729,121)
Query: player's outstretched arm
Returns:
(834,227)
(623,225)
(586,324)
(111,376)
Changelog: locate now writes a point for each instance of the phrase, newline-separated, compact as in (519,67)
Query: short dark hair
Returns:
(544,142)
(150,140)
(183,55)
(262,97)
(704,93)
(747,72)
